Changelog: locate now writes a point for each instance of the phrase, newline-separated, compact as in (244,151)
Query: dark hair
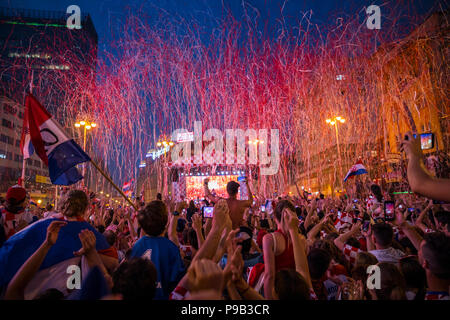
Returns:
(290,285)
(298,212)
(321,214)
(48,207)
(110,237)
(443,217)
(281,205)
(376,190)
(363,260)
(181,224)
(407,244)
(192,205)
(383,234)
(333,251)
(158,196)
(436,251)
(354,242)
(232,188)
(393,284)
(153,218)
(246,244)
(135,279)
(264,224)
(331,236)
(415,276)
(51,294)
(318,262)
(75,203)
(191,236)
(101,228)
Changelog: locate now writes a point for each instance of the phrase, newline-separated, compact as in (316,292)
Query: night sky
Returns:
(109,15)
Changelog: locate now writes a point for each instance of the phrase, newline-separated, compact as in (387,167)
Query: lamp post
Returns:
(166,143)
(86,126)
(334,122)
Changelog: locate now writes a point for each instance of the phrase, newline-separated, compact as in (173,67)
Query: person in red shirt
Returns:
(12,214)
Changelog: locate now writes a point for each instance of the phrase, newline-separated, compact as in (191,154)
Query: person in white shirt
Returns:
(380,244)
(49,212)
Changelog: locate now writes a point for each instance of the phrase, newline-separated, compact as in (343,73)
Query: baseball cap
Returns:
(16,194)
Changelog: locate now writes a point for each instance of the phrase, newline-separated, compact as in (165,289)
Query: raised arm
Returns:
(419,222)
(220,221)
(299,246)
(172,229)
(408,230)
(249,202)
(197,226)
(208,193)
(298,190)
(269,265)
(316,229)
(342,239)
(133,232)
(419,179)
(17,285)
(88,249)
(310,213)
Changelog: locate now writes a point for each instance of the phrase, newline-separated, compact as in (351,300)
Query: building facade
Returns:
(38,53)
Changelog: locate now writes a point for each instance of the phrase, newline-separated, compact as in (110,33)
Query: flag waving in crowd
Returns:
(25,141)
(126,188)
(355,170)
(60,153)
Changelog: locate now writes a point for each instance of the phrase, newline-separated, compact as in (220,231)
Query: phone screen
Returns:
(366,225)
(263,208)
(426,141)
(389,210)
(208,212)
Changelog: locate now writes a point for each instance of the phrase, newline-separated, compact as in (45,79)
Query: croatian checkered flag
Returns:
(25,140)
(355,170)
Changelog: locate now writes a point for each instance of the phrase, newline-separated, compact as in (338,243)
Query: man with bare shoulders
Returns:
(235,206)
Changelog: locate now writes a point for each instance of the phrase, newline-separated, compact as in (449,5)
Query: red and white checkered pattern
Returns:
(344,219)
(179,189)
(178,294)
(351,253)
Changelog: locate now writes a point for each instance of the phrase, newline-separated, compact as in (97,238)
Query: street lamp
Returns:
(334,122)
(256,141)
(163,141)
(86,126)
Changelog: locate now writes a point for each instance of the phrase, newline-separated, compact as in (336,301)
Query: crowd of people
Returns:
(286,247)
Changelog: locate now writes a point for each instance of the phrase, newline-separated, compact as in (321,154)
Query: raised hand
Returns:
(88,242)
(221,216)
(411,146)
(196,222)
(353,290)
(53,231)
(205,275)
(291,219)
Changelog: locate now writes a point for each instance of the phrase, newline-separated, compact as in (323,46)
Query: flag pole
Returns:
(24,161)
(113,184)
(56,197)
